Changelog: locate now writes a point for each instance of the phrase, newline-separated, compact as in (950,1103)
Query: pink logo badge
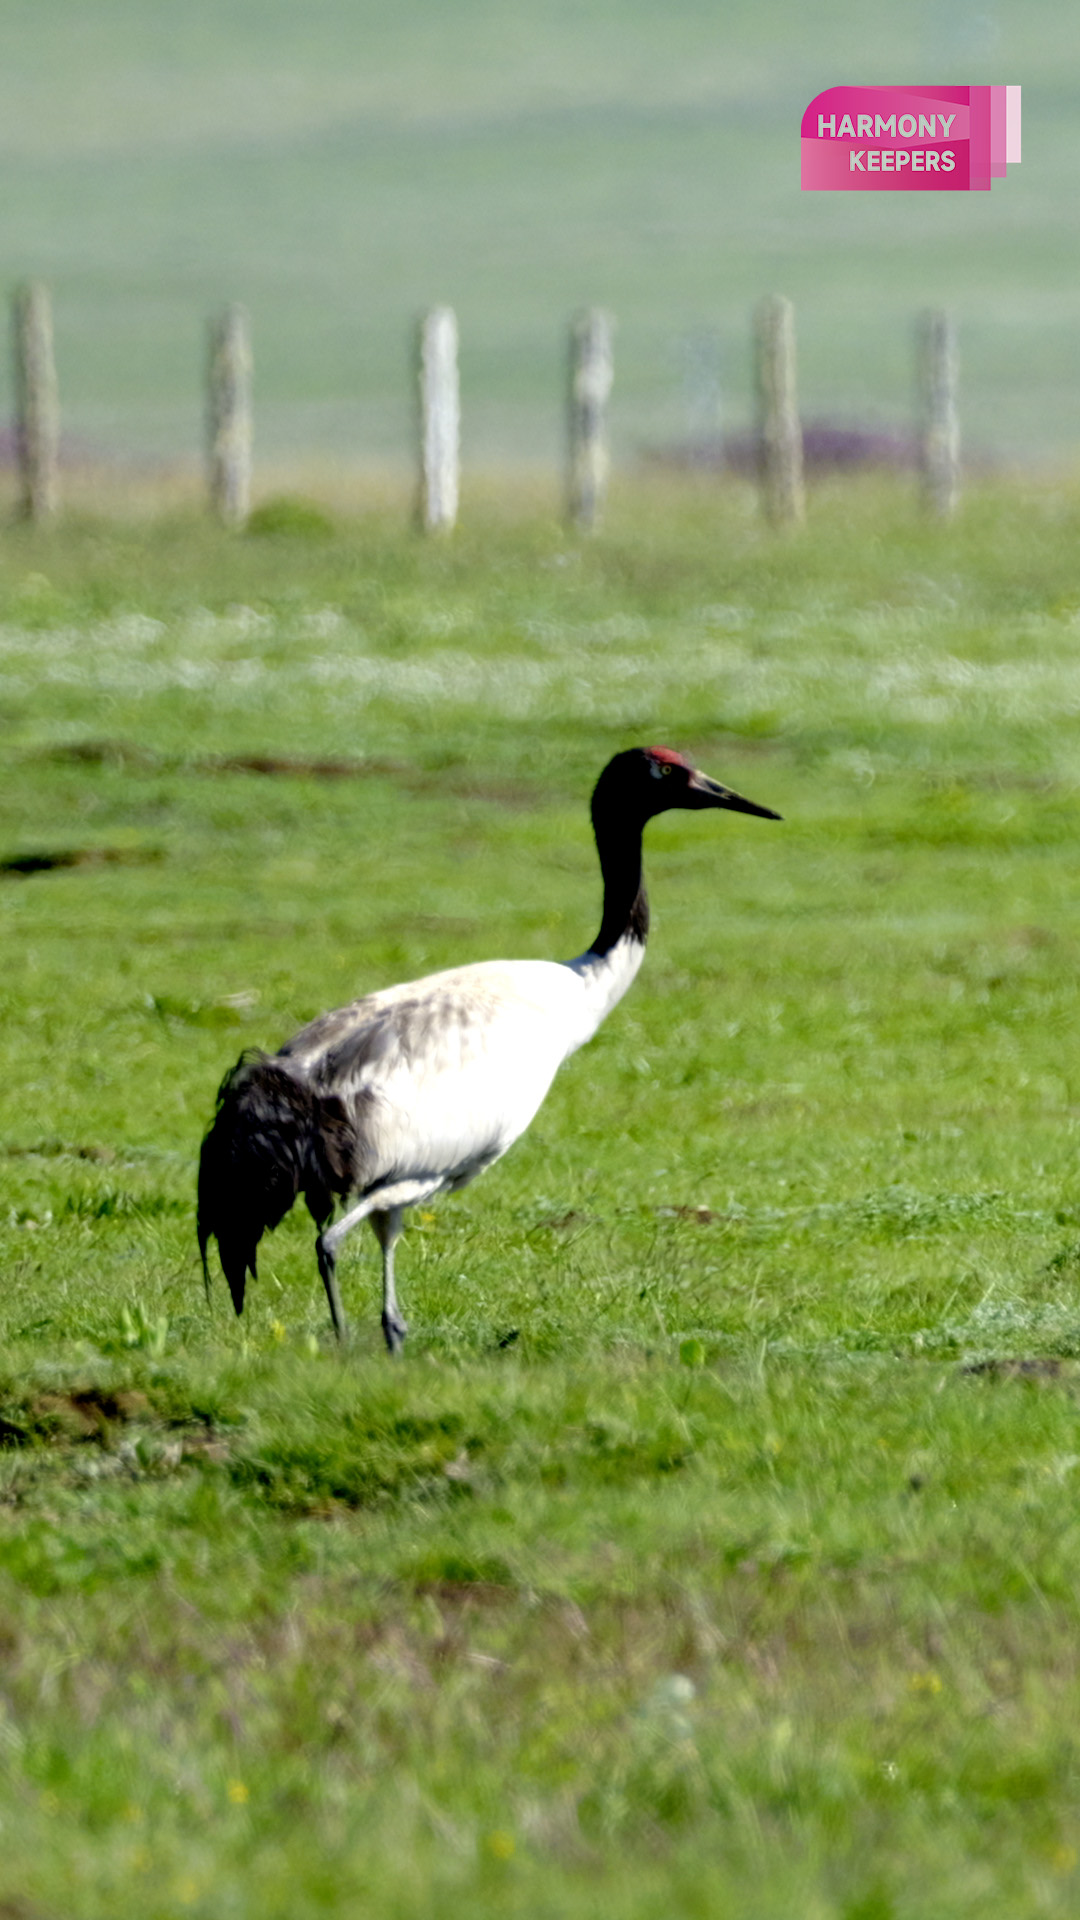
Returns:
(910,139)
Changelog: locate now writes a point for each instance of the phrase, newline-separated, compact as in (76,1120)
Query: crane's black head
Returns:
(645,781)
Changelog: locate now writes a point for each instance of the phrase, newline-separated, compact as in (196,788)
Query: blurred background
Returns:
(338,165)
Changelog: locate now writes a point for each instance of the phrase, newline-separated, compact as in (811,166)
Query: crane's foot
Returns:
(394,1331)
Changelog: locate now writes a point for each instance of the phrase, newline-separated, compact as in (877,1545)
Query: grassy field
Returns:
(714,1550)
(339,166)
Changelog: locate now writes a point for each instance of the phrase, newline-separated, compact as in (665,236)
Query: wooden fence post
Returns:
(939,426)
(228,416)
(592,369)
(440,420)
(779,430)
(37,403)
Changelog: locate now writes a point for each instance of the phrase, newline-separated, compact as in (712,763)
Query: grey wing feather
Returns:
(431,1080)
(343,1049)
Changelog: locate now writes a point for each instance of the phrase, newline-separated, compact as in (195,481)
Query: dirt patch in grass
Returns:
(21,865)
(71,1415)
(65,1417)
(302,767)
(462,783)
(18,1909)
(1040,1368)
(59,1150)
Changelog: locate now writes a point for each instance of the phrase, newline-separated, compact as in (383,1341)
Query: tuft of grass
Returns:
(285,515)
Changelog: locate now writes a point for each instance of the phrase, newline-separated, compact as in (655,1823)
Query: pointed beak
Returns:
(709,793)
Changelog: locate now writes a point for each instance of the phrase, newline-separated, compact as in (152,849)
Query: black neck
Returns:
(626,904)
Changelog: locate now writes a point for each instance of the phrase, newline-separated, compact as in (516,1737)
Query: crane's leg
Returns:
(326,1252)
(385,1207)
(386,1227)
(328,1269)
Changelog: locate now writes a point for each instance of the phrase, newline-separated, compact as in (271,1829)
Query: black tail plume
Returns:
(272,1137)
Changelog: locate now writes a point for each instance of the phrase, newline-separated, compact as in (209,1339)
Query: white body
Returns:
(444,1073)
(441,1075)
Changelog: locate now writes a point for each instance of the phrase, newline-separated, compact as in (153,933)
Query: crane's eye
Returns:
(664,767)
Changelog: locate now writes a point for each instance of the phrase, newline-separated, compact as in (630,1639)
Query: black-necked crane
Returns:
(414,1090)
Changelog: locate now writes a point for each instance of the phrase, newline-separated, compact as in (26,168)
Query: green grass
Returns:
(714,1549)
(341,166)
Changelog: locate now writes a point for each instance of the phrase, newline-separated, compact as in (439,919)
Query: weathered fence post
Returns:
(939,426)
(779,430)
(37,403)
(228,416)
(592,369)
(440,420)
